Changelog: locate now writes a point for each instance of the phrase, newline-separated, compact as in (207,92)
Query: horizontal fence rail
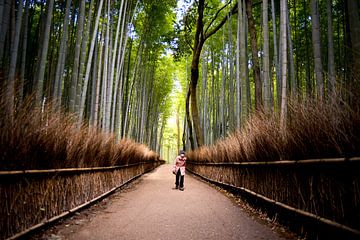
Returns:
(324,192)
(36,172)
(31,199)
(283,162)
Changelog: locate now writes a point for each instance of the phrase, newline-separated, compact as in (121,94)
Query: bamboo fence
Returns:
(30,199)
(321,191)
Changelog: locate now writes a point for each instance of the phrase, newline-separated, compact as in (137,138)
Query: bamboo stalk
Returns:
(287,207)
(283,162)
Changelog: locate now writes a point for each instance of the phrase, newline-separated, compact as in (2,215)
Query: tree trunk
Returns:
(75,69)
(317,48)
(309,85)
(2,3)
(283,51)
(354,26)
(276,59)
(189,123)
(61,59)
(106,70)
(243,64)
(88,66)
(293,82)
(255,58)
(13,60)
(223,94)
(42,63)
(204,95)
(94,91)
(5,21)
(98,86)
(24,49)
(194,107)
(232,121)
(331,64)
(116,48)
(266,57)
(238,79)
(83,55)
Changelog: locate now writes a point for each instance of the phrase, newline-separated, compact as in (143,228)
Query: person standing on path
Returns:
(179,170)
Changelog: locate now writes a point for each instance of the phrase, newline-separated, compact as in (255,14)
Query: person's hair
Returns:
(182,152)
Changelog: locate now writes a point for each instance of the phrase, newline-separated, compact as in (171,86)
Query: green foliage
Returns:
(164,82)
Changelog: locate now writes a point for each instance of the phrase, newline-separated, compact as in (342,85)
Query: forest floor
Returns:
(150,208)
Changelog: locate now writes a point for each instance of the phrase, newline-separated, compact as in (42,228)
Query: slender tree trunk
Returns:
(317,48)
(88,66)
(205,100)
(283,48)
(23,55)
(223,94)
(177,127)
(75,71)
(5,22)
(189,124)
(120,76)
(309,85)
(107,96)
(255,58)
(13,60)
(238,80)
(276,59)
(61,59)
(98,86)
(354,26)
(266,58)
(42,63)
(114,56)
(331,64)
(291,58)
(243,63)
(2,3)
(130,94)
(163,124)
(94,91)
(232,121)
(83,55)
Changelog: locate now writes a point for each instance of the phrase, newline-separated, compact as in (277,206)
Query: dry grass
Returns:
(37,139)
(313,130)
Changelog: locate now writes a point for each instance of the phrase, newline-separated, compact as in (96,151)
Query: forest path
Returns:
(152,209)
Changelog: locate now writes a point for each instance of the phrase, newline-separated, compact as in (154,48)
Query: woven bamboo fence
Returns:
(322,192)
(30,199)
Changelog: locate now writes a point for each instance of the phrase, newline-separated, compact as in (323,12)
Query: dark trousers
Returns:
(179,178)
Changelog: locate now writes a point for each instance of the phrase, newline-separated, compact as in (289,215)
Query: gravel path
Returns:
(154,210)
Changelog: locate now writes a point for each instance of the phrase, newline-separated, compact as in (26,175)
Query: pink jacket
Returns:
(180,163)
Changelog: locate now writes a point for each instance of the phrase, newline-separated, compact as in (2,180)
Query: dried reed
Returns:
(313,130)
(43,139)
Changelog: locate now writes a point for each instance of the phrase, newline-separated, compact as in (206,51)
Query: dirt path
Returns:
(153,210)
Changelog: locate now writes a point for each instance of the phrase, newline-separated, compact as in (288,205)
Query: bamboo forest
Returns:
(263,96)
